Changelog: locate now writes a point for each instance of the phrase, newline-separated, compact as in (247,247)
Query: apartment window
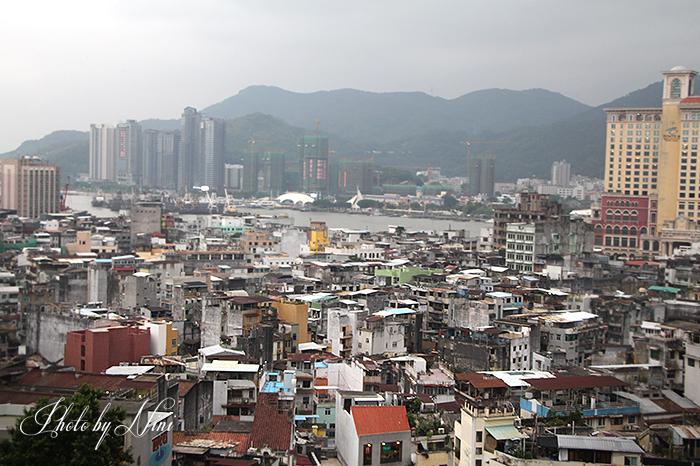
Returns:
(391,452)
(630,461)
(367,454)
(479,436)
(691,362)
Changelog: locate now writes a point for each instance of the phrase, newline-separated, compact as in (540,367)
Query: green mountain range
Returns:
(525,130)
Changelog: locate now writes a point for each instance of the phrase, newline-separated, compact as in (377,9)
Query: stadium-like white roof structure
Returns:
(295,198)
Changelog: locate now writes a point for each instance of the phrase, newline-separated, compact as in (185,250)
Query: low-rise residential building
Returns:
(372,434)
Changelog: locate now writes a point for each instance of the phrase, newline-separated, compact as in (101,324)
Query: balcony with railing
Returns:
(503,410)
(587,410)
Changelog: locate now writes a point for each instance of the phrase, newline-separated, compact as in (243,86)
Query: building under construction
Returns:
(314,165)
(354,175)
(481,175)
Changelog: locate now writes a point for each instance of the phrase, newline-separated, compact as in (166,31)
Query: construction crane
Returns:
(65,195)
(318,124)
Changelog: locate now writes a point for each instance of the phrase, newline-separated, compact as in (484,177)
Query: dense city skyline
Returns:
(136,61)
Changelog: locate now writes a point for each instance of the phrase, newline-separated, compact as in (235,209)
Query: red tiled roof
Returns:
(241,439)
(641,263)
(481,380)
(250,299)
(449,407)
(393,388)
(303,461)
(44,378)
(320,381)
(368,364)
(300,357)
(22,398)
(576,382)
(691,100)
(371,420)
(233,462)
(185,386)
(270,428)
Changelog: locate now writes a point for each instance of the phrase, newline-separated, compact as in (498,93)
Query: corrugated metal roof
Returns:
(579,442)
(687,432)
(681,401)
(505,432)
(646,406)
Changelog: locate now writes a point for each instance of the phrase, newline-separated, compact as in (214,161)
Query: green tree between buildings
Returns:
(68,447)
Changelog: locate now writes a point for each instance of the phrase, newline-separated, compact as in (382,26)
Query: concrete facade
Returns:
(46,330)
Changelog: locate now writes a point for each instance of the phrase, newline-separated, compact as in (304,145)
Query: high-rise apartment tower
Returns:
(31,186)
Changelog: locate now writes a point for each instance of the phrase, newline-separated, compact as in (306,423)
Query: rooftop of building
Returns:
(373,420)
(576,382)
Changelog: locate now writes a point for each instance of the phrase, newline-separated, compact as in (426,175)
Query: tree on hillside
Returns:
(31,443)
(450,201)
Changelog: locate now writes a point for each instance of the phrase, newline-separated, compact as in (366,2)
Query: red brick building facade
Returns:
(625,225)
(95,350)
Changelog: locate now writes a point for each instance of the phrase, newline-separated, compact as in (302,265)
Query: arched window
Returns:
(633,216)
(625,216)
(675,93)
(625,231)
(618,216)
(633,231)
(656,246)
(616,230)
(598,229)
(608,230)
(653,217)
(609,215)
(646,245)
(643,231)
(617,203)
(627,204)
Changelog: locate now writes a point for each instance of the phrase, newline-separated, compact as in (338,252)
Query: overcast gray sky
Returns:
(71,63)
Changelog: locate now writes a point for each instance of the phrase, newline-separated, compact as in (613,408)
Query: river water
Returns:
(373,223)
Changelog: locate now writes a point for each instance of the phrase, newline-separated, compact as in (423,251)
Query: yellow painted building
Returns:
(163,338)
(318,239)
(653,151)
(294,311)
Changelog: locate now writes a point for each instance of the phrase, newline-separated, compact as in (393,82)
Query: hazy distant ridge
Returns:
(535,126)
(367,116)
